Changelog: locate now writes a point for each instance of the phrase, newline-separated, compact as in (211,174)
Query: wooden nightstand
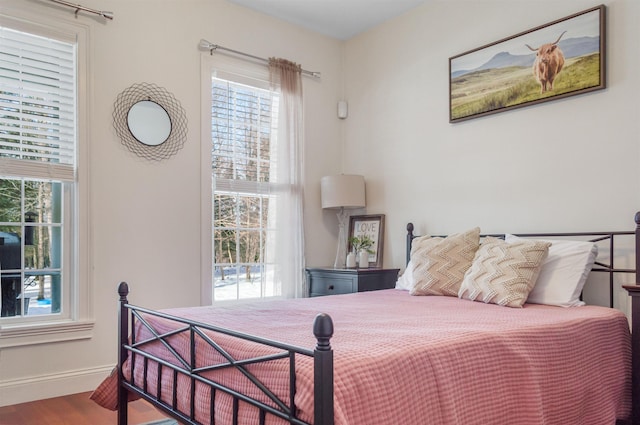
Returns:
(330,281)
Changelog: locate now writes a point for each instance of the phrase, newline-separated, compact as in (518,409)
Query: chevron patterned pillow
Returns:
(504,273)
(439,264)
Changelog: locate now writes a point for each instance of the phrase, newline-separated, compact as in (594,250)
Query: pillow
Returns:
(504,273)
(439,264)
(405,281)
(563,273)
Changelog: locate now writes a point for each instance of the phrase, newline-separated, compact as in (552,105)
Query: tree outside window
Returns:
(30,246)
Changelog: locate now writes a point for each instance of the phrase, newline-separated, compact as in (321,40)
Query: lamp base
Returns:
(341,253)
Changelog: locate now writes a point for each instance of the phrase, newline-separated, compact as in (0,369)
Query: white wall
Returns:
(145,216)
(567,165)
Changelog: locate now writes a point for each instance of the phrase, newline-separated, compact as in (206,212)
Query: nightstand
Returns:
(330,281)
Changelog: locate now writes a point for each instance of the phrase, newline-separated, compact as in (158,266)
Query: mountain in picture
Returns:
(571,48)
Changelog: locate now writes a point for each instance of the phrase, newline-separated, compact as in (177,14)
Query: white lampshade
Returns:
(342,191)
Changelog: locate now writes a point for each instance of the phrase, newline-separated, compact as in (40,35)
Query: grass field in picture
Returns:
(488,90)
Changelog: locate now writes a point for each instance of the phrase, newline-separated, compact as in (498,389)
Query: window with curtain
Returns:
(38,180)
(250,250)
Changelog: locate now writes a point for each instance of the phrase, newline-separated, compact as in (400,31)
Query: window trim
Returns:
(78,322)
(206,182)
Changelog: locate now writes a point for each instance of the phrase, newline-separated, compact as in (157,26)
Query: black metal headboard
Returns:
(590,236)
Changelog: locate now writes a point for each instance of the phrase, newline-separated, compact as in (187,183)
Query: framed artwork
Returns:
(373,227)
(556,60)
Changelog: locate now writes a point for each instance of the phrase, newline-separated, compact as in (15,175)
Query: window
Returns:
(39,183)
(243,120)
(31,240)
(252,166)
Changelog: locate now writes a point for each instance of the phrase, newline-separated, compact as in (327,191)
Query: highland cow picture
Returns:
(556,60)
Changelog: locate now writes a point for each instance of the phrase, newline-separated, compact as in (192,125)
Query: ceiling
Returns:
(341,19)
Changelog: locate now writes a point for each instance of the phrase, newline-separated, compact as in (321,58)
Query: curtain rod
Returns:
(77,7)
(205,45)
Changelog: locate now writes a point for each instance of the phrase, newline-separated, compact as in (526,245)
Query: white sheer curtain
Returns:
(288,255)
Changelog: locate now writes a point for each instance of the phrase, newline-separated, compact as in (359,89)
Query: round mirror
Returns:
(149,123)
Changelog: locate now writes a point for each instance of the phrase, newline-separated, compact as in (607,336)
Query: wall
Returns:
(145,216)
(567,165)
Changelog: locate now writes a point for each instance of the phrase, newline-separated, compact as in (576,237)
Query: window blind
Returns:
(242,121)
(37,106)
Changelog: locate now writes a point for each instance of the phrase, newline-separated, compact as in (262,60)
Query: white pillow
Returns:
(563,273)
(405,282)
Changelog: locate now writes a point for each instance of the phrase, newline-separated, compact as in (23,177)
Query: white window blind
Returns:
(37,106)
(242,122)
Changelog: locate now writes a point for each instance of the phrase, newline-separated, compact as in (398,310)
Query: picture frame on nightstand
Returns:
(371,225)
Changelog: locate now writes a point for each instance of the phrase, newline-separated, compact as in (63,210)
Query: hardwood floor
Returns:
(74,409)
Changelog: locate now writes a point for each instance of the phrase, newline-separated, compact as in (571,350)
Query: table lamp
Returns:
(343,191)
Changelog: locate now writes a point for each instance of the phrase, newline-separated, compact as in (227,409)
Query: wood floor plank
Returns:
(75,409)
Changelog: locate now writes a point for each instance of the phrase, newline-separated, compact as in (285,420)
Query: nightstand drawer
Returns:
(330,285)
(330,281)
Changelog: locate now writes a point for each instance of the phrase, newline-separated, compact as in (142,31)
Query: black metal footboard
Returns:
(268,404)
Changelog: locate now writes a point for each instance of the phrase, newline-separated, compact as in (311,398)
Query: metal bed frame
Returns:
(322,353)
(285,409)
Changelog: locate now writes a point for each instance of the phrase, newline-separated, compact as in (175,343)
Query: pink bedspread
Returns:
(401,359)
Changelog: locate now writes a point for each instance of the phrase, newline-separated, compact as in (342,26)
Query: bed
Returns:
(392,358)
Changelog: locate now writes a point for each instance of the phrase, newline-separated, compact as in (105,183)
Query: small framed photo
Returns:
(371,226)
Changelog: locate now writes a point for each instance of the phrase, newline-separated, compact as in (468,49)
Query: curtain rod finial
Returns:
(205,45)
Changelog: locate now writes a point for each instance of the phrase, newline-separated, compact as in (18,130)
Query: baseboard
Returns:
(55,385)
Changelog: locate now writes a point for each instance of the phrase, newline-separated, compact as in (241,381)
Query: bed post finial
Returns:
(323,370)
(123,290)
(323,331)
(409,240)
